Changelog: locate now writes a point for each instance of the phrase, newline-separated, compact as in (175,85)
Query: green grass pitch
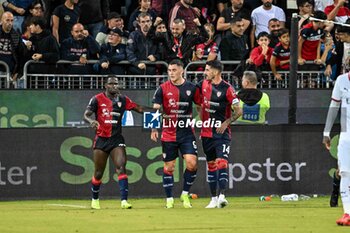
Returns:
(243,214)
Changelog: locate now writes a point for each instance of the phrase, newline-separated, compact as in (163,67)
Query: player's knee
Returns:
(221,163)
(169,169)
(212,167)
(191,165)
(98,175)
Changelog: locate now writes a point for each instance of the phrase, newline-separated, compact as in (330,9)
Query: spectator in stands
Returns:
(114,20)
(207,9)
(81,47)
(274,28)
(181,42)
(18,8)
(309,43)
(261,55)
(142,47)
(162,8)
(208,50)
(112,53)
(306,8)
(341,56)
(43,47)
(11,45)
(229,13)
(320,5)
(253,102)
(35,10)
(63,18)
(338,11)
(281,54)
(161,37)
(144,6)
(184,10)
(93,14)
(234,46)
(262,15)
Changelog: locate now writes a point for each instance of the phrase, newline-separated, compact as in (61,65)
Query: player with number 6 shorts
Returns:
(218,101)
(176,97)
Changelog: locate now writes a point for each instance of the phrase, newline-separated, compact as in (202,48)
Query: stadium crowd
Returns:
(253,33)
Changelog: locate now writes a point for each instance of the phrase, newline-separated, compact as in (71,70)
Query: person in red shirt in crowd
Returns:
(261,55)
(338,11)
(309,43)
(184,10)
(281,54)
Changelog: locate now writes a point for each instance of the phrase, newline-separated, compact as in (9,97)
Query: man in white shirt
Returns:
(261,17)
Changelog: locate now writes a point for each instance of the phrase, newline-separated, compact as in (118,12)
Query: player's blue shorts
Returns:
(186,145)
(216,148)
(108,144)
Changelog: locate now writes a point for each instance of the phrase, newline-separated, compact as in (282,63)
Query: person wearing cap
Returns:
(63,18)
(111,53)
(114,20)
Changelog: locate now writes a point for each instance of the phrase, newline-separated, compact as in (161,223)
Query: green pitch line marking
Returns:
(72,206)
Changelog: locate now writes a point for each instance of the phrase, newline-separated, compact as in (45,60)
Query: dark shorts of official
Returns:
(186,145)
(216,148)
(108,144)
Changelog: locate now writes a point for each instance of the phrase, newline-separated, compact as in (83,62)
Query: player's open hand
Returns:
(154,135)
(222,128)
(327,142)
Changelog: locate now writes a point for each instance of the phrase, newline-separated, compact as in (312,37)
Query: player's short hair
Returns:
(235,19)
(108,77)
(283,31)
(216,64)
(343,29)
(251,77)
(177,62)
(263,34)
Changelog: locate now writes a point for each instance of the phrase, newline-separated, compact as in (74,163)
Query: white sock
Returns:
(345,191)
(169,199)
(214,198)
(184,192)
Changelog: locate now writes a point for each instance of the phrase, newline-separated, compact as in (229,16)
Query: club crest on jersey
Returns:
(119,104)
(188,92)
(218,93)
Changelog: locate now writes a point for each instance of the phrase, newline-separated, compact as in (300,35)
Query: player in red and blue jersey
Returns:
(218,101)
(176,97)
(108,108)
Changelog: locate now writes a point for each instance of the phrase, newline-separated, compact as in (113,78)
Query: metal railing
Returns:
(306,79)
(89,81)
(5,77)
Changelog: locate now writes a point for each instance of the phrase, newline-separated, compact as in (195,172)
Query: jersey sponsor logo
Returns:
(110,121)
(169,93)
(103,105)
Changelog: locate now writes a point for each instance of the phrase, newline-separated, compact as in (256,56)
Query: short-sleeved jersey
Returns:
(312,38)
(341,93)
(177,105)
(109,113)
(216,106)
(282,54)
